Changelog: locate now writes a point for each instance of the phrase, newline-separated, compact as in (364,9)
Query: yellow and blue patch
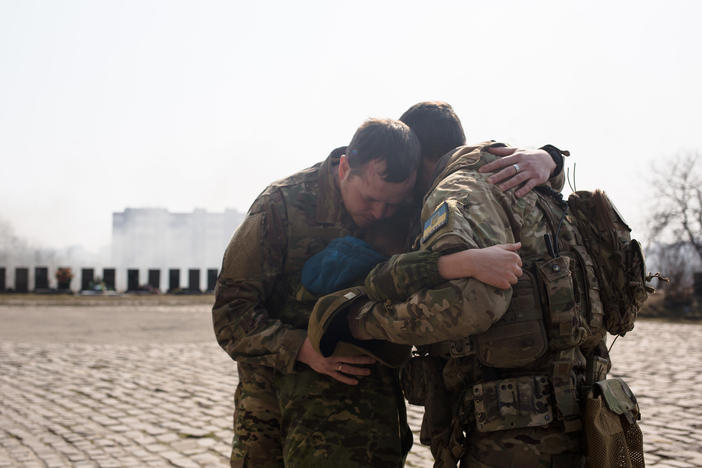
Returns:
(436,221)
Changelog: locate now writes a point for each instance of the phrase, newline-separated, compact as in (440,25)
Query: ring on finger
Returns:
(516,168)
(338,367)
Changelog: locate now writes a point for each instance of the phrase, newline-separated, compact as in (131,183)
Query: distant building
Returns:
(144,238)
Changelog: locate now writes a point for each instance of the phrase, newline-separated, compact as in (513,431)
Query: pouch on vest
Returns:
(592,311)
(519,337)
(512,403)
(612,435)
(565,329)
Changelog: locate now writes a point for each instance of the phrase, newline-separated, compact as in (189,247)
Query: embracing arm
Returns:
(535,167)
(395,280)
(454,310)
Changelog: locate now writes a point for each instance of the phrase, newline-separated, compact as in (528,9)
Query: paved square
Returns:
(94,383)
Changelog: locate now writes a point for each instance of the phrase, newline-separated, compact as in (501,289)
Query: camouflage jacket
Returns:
(551,330)
(399,277)
(461,210)
(256,316)
(261,310)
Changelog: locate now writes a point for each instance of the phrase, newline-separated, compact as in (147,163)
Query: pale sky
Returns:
(113,104)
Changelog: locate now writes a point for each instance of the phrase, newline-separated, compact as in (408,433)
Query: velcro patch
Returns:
(436,221)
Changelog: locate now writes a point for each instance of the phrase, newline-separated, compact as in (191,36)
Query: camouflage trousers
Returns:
(528,447)
(308,419)
(326,423)
(257,439)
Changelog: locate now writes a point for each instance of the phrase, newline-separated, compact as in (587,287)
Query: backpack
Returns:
(618,260)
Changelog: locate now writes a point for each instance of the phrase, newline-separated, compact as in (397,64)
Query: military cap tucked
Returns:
(329,333)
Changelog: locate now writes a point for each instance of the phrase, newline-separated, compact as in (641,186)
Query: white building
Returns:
(154,238)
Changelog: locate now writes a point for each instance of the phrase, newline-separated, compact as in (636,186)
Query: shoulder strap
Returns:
(549,201)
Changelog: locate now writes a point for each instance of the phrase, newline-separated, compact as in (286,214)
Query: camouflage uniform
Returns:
(285,411)
(511,365)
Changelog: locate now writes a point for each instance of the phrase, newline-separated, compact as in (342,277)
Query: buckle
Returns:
(460,348)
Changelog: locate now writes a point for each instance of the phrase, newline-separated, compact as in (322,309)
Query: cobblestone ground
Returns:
(170,404)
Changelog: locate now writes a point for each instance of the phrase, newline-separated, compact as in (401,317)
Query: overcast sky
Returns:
(113,104)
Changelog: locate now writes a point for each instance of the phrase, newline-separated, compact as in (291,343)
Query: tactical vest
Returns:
(531,366)
(555,305)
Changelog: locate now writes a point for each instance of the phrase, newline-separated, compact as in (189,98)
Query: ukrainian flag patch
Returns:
(436,221)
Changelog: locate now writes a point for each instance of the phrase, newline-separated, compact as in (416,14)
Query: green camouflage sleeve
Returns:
(252,262)
(457,309)
(463,213)
(402,275)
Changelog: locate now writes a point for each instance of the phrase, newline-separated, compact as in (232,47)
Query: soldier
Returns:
(510,363)
(260,321)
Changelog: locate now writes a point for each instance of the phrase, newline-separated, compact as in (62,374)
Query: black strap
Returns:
(557,156)
(406,437)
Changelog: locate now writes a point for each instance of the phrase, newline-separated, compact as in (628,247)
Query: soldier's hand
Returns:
(498,265)
(533,167)
(342,369)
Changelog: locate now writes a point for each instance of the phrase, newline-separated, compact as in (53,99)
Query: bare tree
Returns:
(677,212)
(674,261)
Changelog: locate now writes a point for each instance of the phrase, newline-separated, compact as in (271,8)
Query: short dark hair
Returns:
(437,126)
(386,140)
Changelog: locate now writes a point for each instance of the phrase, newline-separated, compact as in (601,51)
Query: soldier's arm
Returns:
(403,274)
(536,167)
(252,262)
(456,309)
